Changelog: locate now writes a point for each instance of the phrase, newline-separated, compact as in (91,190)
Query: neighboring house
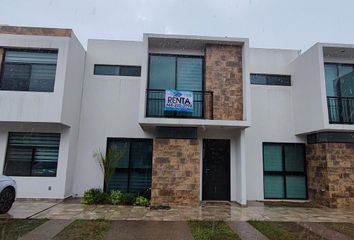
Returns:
(263,123)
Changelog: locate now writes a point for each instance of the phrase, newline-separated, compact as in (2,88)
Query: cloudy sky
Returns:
(294,24)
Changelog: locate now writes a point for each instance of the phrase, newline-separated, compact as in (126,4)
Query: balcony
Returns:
(340,110)
(202,105)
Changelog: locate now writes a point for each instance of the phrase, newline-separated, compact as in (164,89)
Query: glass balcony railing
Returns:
(341,110)
(202,105)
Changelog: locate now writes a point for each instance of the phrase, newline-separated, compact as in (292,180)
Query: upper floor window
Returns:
(270,79)
(28,70)
(339,79)
(340,92)
(117,70)
(176,72)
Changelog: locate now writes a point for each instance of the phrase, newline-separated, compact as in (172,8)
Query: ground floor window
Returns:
(284,171)
(133,173)
(32,154)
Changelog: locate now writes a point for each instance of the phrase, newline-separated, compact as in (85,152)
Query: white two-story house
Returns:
(198,118)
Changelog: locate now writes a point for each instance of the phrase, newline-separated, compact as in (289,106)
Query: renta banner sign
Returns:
(178,101)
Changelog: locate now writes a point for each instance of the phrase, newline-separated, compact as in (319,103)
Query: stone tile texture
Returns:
(330,174)
(225,212)
(175,172)
(223,76)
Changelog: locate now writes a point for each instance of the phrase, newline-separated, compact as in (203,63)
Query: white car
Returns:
(7,193)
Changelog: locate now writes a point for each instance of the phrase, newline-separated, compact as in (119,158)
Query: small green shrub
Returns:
(116,197)
(146,193)
(141,201)
(95,196)
(128,198)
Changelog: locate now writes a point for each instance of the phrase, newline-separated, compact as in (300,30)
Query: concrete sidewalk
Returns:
(226,212)
(245,231)
(47,230)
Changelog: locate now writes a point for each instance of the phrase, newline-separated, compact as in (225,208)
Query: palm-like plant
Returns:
(108,163)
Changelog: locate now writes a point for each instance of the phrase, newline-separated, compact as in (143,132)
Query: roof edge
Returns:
(39,31)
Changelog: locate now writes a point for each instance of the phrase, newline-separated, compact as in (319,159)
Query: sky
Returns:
(290,24)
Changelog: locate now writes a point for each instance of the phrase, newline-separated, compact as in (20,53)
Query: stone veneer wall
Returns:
(175,172)
(330,177)
(223,76)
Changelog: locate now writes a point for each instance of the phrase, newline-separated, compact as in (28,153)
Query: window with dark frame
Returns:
(32,154)
(28,70)
(270,79)
(339,78)
(284,171)
(133,173)
(180,72)
(117,70)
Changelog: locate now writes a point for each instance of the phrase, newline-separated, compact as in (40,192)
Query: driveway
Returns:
(28,208)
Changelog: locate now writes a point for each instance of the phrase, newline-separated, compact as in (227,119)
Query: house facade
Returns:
(196,118)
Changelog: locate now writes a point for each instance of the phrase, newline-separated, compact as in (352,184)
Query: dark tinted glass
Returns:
(284,171)
(162,72)
(294,158)
(133,174)
(29,71)
(106,70)
(258,79)
(269,79)
(16,77)
(32,154)
(117,70)
(130,71)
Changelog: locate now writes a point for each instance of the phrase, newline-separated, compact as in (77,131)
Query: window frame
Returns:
(41,50)
(129,170)
(176,62)
(32,157)
(339,86)
(274,75)
(119,70)
(285,173)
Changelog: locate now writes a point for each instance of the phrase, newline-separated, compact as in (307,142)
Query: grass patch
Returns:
(211,230)
(283,230)
(84,229)
(14,228)
(345,228)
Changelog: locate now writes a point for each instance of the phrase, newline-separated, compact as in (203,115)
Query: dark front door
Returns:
(216,169)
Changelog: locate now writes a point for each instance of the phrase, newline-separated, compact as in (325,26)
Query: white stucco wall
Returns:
(272,114)
(38,187)
(35,106)
(309,91)
(72,98)
(56,112)
(110,107)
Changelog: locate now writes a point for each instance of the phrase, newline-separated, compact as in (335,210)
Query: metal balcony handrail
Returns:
(340,110)
(202,105)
